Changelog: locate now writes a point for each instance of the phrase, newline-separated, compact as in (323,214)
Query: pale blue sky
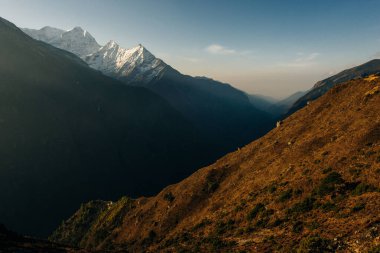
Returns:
(269,47)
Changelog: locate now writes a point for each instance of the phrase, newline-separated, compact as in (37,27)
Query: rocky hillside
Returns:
(310,185)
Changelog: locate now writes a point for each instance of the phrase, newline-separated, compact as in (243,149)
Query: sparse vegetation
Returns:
(169,197)
(328,206)
(202,224)
(374,249)
(358,207)
(363,188)
(298,227)
(222,227)
(255,211)
(328,184)
(327,170)
(304,206)
(315,244)
(286,195)
(272,189)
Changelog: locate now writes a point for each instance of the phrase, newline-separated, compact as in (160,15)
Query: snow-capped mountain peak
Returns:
(110,44)
(47,34)
(132,65)
(76,40)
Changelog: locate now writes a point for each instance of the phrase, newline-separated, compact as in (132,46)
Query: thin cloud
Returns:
(192,59)
(307,58)
(303,60)
(218,49)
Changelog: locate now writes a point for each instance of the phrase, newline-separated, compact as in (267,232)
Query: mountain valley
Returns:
(311,184)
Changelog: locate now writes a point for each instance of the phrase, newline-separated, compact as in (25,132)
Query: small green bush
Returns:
(313,225)
(202,224)
(298,227)
(328,184)
(277,222)
(363,188)
(358,207)
(272,189)
(286,195)
(223,227)
(374,249)
(304,206)
(298,192)
(262,222)
(255,211)
(169,197)
(327,170)
(315,244)
(328,206)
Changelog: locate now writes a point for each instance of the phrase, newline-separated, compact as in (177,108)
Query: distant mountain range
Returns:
(321,87)
(277,108)
(222,112)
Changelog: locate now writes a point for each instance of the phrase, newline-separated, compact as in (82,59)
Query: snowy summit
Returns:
(136,64)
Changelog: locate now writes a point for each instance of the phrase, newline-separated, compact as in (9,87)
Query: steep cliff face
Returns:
(310,185)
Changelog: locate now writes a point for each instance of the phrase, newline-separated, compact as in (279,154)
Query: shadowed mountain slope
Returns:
(310,185)
(221,112)
(70,134)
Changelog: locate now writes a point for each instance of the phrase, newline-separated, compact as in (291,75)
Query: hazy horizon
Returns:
(273,48)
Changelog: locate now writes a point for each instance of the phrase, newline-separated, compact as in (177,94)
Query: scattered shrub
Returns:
(298,192)
(315,244)
(255,211)
(217,243)
(241,206)
(358,207)
(272,189)
(328,184)
(298,227)
(304,206)
(262,223)
(328,206)
(363,188)
(212,186)
(313,225)
(355,171)
(169,197)
(327,170)
(212,181)
(286,195)
(223,227)
(374,249)
(202,224)
(277,222)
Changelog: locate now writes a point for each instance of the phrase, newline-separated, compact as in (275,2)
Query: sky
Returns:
(267,47)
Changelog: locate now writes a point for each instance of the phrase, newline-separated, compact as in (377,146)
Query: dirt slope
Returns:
(310,185)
